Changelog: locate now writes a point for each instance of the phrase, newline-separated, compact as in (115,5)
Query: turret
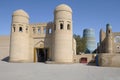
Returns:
(19,42)
(62,34)
(109,39)
(102,35)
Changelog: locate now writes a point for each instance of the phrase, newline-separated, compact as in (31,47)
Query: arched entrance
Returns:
(40,54)
(83,60)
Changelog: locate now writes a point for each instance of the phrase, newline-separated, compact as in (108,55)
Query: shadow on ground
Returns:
(6,59)
(91,64)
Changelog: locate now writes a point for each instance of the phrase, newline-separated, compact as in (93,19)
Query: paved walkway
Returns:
(41,71)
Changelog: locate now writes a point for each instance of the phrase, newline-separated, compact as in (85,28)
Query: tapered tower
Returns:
(19,42)
(89,35)
(62,42)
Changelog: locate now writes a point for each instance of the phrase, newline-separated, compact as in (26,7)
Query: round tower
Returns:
(19,42)
(62,43)
(109,39)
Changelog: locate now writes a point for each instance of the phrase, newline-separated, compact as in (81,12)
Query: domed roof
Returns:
(63,7)
(20,12)
(108,25)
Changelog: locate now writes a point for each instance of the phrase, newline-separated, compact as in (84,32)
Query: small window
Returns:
(50,31)
(13,29)
(68,26)
(109,31)
(26,29)
(33,30)
(118,47)
(44,30)
(39,30)
(61,26)
(20,29)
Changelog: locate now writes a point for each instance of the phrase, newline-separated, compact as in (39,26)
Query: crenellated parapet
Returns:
(41,29)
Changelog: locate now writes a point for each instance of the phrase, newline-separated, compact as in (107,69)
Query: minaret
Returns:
(19,42)
(62,43)
(89,35)
(109,39)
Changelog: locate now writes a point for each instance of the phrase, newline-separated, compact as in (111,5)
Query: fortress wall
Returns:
(4,46)
(89,57)
(109,60)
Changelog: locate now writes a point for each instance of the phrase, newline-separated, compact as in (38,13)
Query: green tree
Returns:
(80,43)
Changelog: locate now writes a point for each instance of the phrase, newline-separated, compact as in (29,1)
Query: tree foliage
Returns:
(80,43)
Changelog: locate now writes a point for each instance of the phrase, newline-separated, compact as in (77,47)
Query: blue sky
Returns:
(86,13)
